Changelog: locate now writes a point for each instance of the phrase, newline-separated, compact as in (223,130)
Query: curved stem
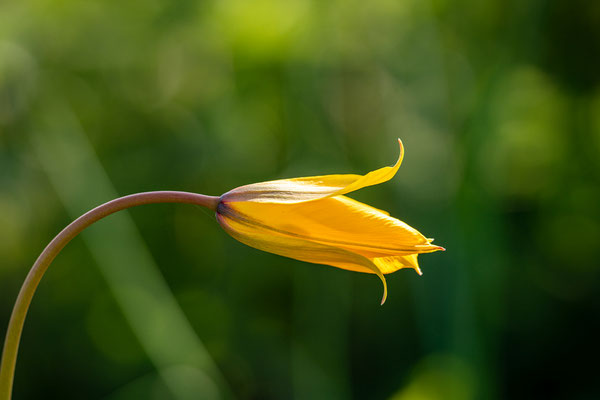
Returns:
(17,319)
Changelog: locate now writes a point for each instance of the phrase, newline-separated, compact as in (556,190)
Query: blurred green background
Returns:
(498,105)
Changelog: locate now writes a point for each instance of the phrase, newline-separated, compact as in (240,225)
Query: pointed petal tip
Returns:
(384,298)
(401,156)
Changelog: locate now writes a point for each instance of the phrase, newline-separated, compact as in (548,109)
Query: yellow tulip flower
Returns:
(310,219)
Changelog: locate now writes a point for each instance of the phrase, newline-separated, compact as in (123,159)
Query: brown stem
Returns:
(17,319)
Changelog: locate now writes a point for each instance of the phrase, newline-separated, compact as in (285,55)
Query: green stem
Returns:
(17,319)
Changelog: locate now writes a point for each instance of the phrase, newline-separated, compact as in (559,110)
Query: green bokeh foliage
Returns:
(498,105)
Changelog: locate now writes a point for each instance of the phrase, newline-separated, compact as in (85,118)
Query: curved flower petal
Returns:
(387,265)
(298,190)
(335,221)
(310,219)
(300,249)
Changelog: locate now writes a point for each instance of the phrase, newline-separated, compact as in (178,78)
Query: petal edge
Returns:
(299,190)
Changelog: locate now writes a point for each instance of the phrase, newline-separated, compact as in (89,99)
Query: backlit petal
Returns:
(300,249)
(299,190)
(387,265)
(335,221)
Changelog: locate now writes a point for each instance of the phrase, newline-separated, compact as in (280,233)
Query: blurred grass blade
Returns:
(320,347)
(137,284)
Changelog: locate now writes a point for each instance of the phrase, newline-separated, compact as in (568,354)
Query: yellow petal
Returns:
(374,177)
(299,190)
(300,249)
(335,221)
(387,265)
